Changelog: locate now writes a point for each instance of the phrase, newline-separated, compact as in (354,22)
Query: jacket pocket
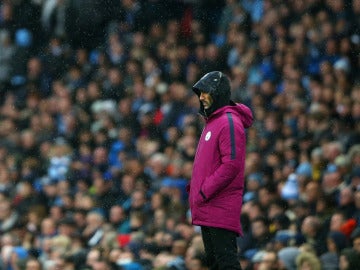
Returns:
(199,198)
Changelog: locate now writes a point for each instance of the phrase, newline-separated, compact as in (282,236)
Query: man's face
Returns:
(206,100)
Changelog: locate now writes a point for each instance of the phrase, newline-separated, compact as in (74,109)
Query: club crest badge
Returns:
(207,136)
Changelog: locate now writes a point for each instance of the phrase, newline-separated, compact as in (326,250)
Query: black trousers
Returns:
(220,248)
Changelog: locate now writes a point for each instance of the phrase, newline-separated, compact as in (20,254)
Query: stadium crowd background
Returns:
(99,127)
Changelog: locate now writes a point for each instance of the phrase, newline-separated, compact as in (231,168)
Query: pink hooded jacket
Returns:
(217,183)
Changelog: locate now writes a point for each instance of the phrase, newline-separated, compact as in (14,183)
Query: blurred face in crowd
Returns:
(128,183)
(331,180)
(265,196)
(100,265)
(305,266)
(336,221)
(252,209)
(269,261)
(356,244)
(5,209)
(312,190)
(355,182)
(346,196)
(196,264)
(274,209)
(33,264)
(258,229)
(117,214)
(309,227)
(92,257)
(138,199)
(48,226)
(343,263)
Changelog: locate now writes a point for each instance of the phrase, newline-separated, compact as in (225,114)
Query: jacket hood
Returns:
(241,110)
(217,84)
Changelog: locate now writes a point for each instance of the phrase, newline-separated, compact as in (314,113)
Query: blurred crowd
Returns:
(99,128)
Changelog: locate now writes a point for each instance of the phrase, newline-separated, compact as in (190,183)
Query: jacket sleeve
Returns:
(232,156)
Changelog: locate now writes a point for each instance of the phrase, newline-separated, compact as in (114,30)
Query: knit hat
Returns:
(304,169)
(348,227)
(288,256)
(339,239)
(284,237)
(23,37)
(290,191)
(343,64)
(257,177)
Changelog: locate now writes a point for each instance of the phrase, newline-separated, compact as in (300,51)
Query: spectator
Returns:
(93,256)
(94,231)
(104,193)
(66,226)
(18,256)
(308,260)
(337,220)
(269,261)
(287,258)
(259,232)
(336,242)
(311,229)
(355,236)
(33,264)
(8,217)
(346,202)
(197,263)
(7,52)
(349,259)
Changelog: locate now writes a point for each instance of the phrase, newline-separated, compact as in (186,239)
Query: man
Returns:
(269,261)
(217,181)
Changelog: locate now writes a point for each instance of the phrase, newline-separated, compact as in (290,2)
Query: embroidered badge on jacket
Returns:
(207,136)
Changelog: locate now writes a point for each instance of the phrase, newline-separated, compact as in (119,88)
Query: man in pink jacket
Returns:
(217,183)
